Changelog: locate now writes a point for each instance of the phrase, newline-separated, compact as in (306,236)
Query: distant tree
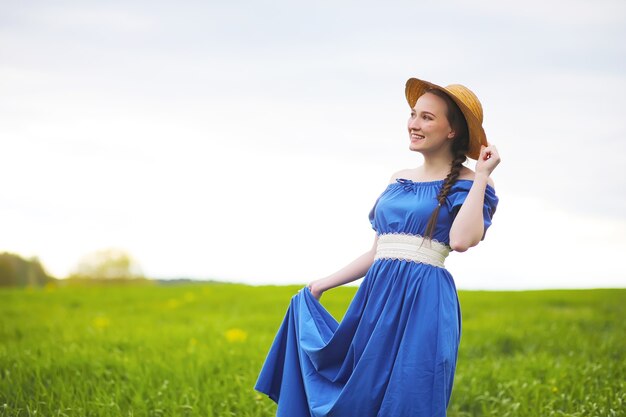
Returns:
(17,271)
(107,264)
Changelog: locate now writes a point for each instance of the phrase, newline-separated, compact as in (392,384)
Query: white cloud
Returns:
(86,18)
(578,13)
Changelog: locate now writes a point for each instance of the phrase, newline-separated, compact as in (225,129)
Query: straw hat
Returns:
(467,102)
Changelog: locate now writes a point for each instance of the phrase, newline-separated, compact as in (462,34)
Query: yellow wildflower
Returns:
(101,322)
(236,335)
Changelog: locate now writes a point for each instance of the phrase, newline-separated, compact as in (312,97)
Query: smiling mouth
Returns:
(416,137)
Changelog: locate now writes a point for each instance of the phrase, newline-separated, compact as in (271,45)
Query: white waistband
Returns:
(411,248)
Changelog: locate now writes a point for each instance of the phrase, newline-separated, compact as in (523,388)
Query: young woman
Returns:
(394,353)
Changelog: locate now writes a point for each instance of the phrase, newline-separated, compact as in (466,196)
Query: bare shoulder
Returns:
(403,173)
(468,174)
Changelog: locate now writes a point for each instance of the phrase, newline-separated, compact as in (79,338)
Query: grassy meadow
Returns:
(196,349)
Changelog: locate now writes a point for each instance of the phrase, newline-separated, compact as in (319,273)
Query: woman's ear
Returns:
(451,134)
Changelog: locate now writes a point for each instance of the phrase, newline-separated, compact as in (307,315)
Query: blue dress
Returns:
(394,352)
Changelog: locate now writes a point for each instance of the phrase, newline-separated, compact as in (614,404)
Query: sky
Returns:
(247,141)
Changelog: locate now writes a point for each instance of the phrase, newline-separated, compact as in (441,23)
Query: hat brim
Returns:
(477,137)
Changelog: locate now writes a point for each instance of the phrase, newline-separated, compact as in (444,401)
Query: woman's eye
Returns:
(426,117)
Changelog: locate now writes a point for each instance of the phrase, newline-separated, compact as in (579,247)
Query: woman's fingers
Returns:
(486,152)
(488,158)
(493,152)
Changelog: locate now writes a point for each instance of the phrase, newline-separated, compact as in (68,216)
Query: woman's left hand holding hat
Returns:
(487,160)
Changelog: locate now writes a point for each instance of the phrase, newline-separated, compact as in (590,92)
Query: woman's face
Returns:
(429,129)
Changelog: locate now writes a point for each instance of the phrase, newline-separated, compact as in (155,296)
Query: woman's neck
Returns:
(436,166)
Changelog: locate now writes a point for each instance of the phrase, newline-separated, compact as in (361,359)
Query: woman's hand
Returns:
(487,160)
(316,288)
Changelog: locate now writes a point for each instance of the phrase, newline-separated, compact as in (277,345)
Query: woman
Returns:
(394,353)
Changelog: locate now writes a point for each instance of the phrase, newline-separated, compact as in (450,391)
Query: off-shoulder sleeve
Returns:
(372,213)
(458,194)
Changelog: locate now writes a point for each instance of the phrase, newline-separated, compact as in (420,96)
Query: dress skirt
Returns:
(393,354)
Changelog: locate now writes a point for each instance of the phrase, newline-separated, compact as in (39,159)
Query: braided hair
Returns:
(459,147)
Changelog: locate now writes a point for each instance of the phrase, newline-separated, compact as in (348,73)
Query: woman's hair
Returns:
(460,145)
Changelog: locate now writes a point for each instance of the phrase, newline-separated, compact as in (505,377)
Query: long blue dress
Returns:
(394,352)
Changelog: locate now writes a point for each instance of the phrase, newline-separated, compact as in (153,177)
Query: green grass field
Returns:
(196,349)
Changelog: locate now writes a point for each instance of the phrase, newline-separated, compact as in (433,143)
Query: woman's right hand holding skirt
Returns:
(316,288)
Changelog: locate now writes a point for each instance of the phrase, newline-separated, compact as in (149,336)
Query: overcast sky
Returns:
(248,141)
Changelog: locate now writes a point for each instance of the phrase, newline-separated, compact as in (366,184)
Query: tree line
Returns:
(104,266)
(17,271)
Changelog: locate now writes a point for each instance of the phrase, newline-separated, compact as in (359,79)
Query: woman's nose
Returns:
(414,123)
